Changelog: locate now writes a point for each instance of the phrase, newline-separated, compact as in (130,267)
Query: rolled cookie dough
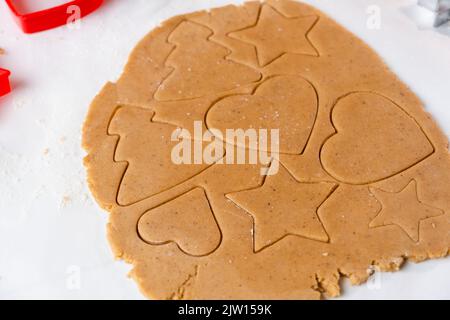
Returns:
(363,179)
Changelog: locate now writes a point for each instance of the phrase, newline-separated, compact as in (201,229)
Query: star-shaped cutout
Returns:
(403,209)
(283,206)
(275,35)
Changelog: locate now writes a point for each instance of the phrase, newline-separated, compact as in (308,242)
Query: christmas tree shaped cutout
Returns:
(200,66)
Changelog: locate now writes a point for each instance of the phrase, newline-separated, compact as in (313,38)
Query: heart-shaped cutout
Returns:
(375,139)
(187,221)
(287,103)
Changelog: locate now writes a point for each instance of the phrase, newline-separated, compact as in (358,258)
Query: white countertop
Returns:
(52,234)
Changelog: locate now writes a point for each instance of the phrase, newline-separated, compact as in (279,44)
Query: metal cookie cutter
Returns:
(5,87)
(53,17)
(439,8)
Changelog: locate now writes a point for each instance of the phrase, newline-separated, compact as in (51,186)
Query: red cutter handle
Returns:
(53,17)
(4,82)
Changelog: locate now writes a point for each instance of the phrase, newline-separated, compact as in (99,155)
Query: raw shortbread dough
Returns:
(364,172)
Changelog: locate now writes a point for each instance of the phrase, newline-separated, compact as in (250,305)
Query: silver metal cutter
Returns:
(439,8)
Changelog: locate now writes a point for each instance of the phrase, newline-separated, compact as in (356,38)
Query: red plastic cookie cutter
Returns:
(5,87)
(52,17)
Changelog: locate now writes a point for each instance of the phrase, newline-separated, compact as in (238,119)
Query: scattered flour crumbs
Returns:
(54,175)
(63,159)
